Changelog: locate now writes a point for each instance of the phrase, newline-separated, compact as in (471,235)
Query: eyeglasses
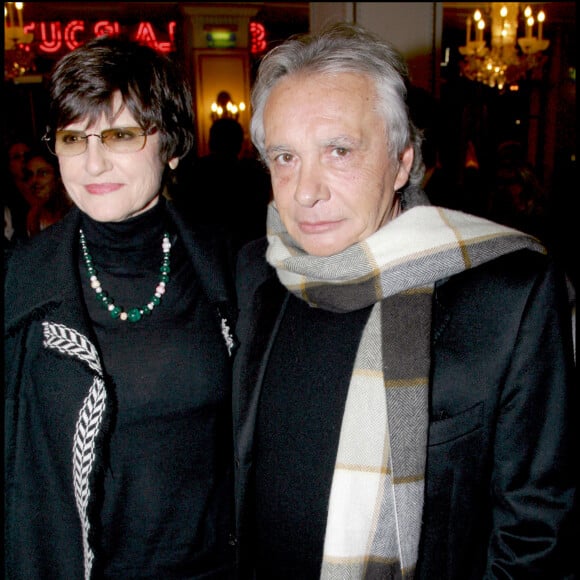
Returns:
(66,143)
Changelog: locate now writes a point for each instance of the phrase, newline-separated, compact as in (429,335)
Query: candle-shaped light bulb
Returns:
(529,25)
(527,12)
(541,18)
(19,6)
(480,27)
(477,16)
(11,13)
(503,12)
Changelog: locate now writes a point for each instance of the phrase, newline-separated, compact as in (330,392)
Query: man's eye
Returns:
(340,151)
(283,158)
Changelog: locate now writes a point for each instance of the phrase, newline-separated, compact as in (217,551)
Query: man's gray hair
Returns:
(344,48)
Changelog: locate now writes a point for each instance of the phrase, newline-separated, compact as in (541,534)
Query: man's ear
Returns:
(406,163)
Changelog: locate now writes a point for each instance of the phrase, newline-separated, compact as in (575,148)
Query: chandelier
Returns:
(18,58)
(224,107)
(509,58)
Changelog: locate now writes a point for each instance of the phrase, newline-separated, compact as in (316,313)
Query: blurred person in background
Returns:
(225,190)
(49,201)
(15,191)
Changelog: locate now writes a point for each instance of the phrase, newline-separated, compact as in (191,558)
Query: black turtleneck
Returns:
(167,476)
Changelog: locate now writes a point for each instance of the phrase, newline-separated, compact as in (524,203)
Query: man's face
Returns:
(326,145)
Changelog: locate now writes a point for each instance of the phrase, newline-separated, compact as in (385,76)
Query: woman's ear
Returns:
(173,162)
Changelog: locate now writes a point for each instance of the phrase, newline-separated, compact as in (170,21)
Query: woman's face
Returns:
(42,180)
(108,186)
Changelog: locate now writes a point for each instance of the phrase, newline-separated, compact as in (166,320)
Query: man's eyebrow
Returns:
(273,149)
(342,141)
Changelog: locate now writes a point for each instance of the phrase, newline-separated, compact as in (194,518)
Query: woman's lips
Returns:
(102,188)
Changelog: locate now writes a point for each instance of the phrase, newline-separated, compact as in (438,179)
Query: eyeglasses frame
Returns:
(47,138)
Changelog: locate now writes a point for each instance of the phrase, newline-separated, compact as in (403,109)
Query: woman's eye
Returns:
(70,138)
(122,135)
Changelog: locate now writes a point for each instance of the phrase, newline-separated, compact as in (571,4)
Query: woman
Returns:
(49,202)
(118,344)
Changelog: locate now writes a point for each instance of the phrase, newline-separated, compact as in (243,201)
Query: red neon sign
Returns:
(52,37)
(257,37)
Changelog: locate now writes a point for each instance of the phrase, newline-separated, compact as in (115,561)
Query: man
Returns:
(223,190)
(402,400)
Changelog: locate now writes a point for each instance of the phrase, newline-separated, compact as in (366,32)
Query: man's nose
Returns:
(310,187)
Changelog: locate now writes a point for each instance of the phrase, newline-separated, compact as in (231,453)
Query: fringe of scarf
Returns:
(376,500)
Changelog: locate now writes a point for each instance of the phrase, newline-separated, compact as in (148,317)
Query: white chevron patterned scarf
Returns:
(376,500)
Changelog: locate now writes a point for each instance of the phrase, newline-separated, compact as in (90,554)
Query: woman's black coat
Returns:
(43,283)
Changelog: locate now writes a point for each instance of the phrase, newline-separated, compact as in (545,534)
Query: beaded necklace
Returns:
(133,314)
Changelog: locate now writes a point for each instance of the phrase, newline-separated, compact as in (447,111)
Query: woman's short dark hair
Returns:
(152,88)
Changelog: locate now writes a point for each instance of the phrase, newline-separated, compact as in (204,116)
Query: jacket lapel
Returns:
(53,287)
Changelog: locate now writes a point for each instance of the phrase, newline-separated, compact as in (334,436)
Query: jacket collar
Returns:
(48,266)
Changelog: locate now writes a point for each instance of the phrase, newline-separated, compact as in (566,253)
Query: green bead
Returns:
(134,315)
(164,278)
(165,269)
(116,312)
(156,300)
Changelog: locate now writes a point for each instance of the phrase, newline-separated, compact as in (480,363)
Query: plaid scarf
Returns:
(376,500)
